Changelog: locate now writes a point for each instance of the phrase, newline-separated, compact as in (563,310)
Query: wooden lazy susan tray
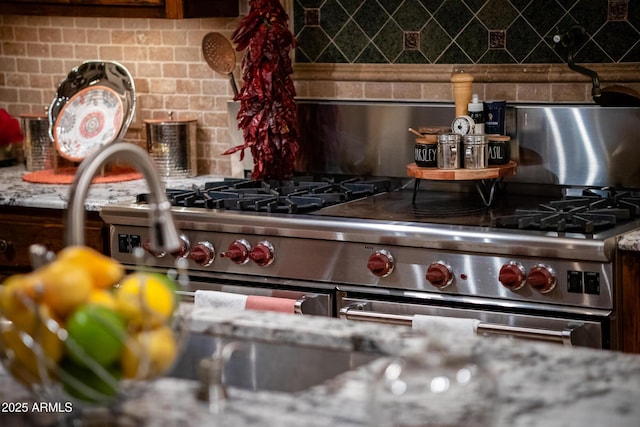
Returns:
(492,172)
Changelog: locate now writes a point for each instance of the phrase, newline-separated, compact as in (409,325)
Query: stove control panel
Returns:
(576,283)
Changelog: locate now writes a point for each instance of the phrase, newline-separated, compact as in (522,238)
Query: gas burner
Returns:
(298,195)
(582,211)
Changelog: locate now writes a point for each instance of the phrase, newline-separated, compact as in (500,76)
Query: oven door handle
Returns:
(308,304)
(564,336)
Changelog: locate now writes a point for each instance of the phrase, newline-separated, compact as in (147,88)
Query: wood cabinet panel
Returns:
(22,227)
(174,9)
(629,314)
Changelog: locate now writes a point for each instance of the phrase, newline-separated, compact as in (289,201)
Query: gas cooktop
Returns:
(582,213)
(301,194)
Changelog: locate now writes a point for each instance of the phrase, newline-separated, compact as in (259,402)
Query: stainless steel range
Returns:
(540,263)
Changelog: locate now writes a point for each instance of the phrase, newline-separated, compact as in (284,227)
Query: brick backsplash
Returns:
(170,74)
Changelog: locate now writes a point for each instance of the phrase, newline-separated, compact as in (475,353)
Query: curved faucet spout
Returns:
(164,236)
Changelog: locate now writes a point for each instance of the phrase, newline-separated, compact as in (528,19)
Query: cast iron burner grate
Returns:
(583,211)
(298,195)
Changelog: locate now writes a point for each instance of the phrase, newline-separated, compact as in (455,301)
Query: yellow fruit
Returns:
(146,299)
(32,358)
(17,300)
(104,271)
(102,297)
(65,286)
(149,353)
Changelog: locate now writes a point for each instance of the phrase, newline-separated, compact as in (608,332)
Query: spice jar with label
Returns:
(425,152)
(499,149)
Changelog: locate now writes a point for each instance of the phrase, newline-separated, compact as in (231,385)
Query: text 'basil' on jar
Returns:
(499,149)
(476,151)
(425,152)
(449,151)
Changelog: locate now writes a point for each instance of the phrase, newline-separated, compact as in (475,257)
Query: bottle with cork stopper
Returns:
(462,92)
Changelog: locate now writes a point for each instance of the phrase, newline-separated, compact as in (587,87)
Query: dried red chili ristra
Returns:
(268,113)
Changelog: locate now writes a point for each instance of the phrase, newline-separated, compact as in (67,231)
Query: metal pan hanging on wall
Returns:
(93,106)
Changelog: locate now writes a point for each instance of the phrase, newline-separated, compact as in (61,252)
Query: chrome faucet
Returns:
(164,236)
(213,382)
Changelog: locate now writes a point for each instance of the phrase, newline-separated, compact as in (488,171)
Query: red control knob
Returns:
(203,253)
(440,274)
(147,247)
(262,253)
(542,278)
(238,251)
(512,276)
(185,247)
(381,263)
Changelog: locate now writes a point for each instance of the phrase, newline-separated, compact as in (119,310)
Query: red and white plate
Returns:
(90,119)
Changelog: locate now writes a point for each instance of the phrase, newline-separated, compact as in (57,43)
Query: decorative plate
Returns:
(90,119)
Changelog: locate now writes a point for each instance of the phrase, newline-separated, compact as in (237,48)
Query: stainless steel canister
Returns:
(171,144)
(476,151)
(39,150)
(449,151)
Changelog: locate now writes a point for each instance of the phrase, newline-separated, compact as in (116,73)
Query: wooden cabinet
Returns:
(22,227)
(629,302)
(174,9)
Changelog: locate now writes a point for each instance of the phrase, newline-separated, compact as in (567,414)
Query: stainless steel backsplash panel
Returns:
(571,145)
(581,145)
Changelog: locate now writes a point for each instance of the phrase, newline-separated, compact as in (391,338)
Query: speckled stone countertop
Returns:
(15,191)
(523,384)
(630,241)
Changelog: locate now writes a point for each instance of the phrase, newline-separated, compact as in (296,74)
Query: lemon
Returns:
(149,353)
(65,286)
(95,333)
(17,301)
(146,299)
(104,271)
(32,357)
(89,385)
(102,297)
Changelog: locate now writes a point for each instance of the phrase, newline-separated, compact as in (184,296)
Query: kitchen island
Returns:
(530,384)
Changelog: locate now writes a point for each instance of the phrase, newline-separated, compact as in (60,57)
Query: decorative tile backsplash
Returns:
(463,31)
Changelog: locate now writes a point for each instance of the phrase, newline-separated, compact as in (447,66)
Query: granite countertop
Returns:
(14,191)
(524,383)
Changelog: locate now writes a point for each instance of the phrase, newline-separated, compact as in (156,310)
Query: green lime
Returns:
(89,385)
(96,333)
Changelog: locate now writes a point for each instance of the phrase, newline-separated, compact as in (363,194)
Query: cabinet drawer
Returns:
(22,227)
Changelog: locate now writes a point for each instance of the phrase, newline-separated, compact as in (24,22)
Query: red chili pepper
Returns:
(268,113)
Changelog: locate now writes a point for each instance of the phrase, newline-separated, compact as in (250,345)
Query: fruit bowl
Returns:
(80,328)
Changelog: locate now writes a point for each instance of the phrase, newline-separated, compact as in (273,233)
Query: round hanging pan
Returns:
(93,106)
